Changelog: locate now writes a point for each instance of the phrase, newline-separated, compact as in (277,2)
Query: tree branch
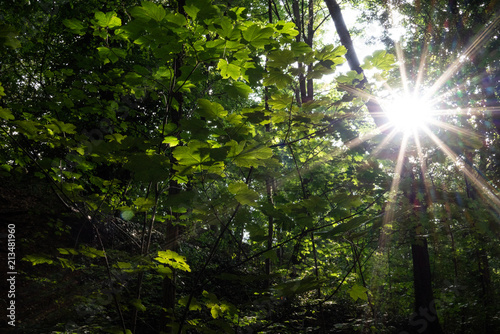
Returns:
(352,59)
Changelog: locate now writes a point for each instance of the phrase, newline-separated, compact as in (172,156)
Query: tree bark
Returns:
(298,23)
(173,230)
(373,106)
(424,319)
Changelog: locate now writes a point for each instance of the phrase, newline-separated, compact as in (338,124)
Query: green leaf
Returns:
(300,48)
(216,311)
(243,194)
(176,18)
(67,251)
(281,58)
(58,127)
(173,259)
(107,20)
(8,36)
(358,291)
(280,101)
(195,153)
(144,204)
(210,110)
(66,263)
(275,77)
(228,70)
(91,252)
(192,11)
(149,11)
(380,60)
(287,28)
(138,305)
(37,259)
(115,137)
(249,156)
(257,36)
(164,271)
(75,26)
(6,114)
(113,54)
(124,265)
(350,77)
(171,141)
(193,305)
(239,89)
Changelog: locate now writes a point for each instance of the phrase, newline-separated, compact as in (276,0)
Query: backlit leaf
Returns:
(6,114)
(242,193)
(109,20)
(149,11)
(228,70)
(173,259)
(210,110)
(75,26)
(358,291)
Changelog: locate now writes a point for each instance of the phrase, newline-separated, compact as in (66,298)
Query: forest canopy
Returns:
(200,166)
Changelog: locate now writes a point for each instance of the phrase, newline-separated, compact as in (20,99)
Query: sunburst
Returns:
(412,112)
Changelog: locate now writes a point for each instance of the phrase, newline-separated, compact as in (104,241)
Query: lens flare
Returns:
(408,113)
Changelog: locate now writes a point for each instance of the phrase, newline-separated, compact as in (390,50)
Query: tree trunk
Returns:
(309,41)
(352,59)
(302,79)
(173,230)
(425,318)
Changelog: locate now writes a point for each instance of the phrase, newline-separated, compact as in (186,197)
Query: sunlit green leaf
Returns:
(107,20)
(173,259)
(149,11)
(257,36)
(37,259)
(210,110)
(242,193)
(358,291)
(193,305)
(228,70)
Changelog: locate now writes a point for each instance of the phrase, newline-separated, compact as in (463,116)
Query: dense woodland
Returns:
(199,166)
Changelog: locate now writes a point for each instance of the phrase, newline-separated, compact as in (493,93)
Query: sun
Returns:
(408,113)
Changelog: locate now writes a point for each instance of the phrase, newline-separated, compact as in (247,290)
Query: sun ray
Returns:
(484,188)
(358,92)
(482,38)
(465,111)
(423,168)
(402,68)
(421,67)
(393,193)
(457,89)
(455,129)
(384,142)
(361,139)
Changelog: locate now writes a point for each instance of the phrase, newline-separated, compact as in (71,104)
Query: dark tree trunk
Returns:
(302,80)
(424,319)
(352,59)
(309,41)
(173,230)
